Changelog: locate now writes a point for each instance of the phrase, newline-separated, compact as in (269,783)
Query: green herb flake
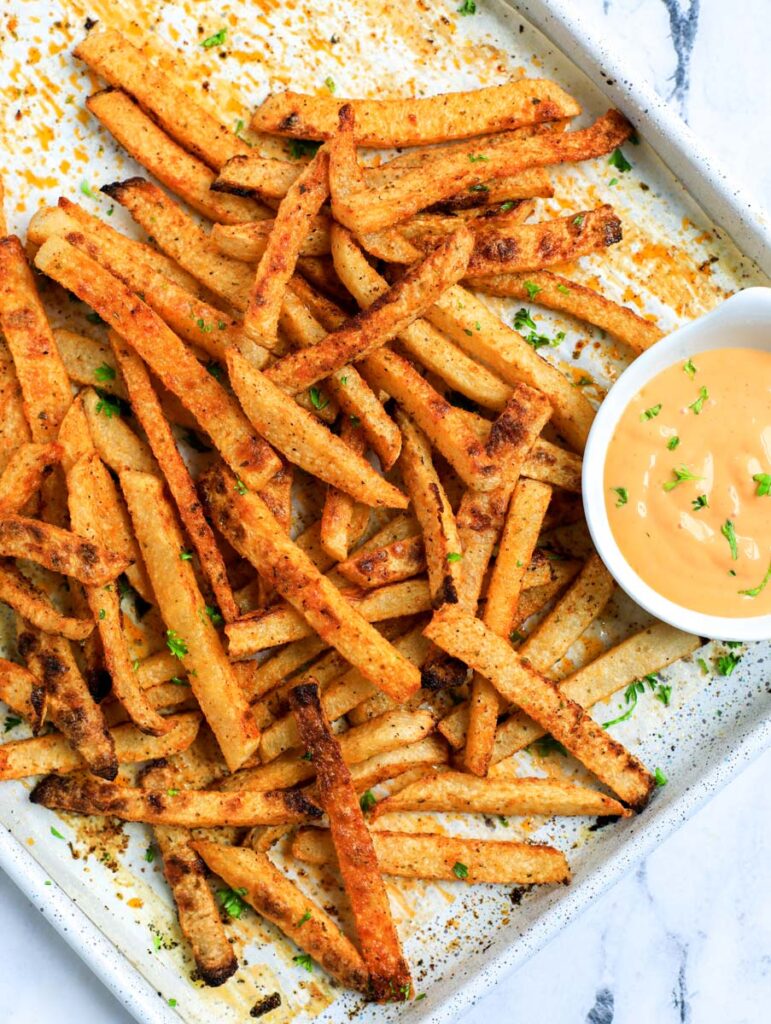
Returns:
(232,901)
(700,502)
(698,405)
(631,693)
(478,188)
(215,616)
(659,777)
(150,854)
(108,405)
(299,148)
(56,833)
(240,486)
(307,756)
(703,666)
(104,372)
(726,663)
(330,84)
(651,413)
(11,721)
(673,442)
(185,556)
(216,40)
(304,960)
(172,1002)
(172,792)
(176,681)
(239,126)
(214,368)
(476,158)
(689,368)
(306,917)
(156,942)
(532,289)
(454,556)
(466,8)
(563,288)
(102,613)
(682,474)
(459,870)
(367,801)
(318,399)
(663,694)
(504,208)
(548,745)
(763,480)
(754,591)
(619,161)
(176,644)
(503,820)
(612,182)
(86,189)
(578,220)
(728,531)
(623,495)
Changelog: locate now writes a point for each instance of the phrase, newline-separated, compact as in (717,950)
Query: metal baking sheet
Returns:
(690,239)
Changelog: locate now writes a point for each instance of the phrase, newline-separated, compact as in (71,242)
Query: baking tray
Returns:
(690,239)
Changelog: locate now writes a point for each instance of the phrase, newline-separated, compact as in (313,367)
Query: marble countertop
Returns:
(687,938)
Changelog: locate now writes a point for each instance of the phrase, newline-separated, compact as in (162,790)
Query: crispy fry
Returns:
(24,473)
(292,657)
(305,441)
(180,172)
(252,174)
(54,753)
(337,517)
(392,563)
(430,751)
(118,446)
(248,241)
(190,633)
(22,692)
(404,302)
(59,550)
(14,429)
(146,408)
(356,206)
(422,855)
(416,122)
(279,900)
(568,296)
(552,464)
(291,225)
(32,604)
(166,355)
(248,524)
(380,946)
(467,638)
(45,389)
(187,808)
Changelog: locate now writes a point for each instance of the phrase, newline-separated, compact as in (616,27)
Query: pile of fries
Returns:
(321,338)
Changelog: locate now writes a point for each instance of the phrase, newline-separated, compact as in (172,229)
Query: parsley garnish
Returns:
(689,368)
(298,148)
(304,960)
(531,289)
(454,556)
(623,495)
(660,777)
(216,40)
(663,693)
(185,556)
(700,502)
(727,663)
(578,219)
(478,188)
(673,442)
(175,643)
(232,902)
(682,473)
(330,84)
(104,372)
(563,288)
(108,405)
(523,319)
(612,182)
(56,833)
(548,745)
(467,7)
(85,188)
(150,854)
(306,917)
(239,126)
(214,615)
(508,205)
(240,486)
(728,531)
(172,792)
(459,870)
(703,666)
(214,368)
(763,480)
(649,414)
(619,161)
(318,400)
(11,721)
(476,158)
(367,801)
(698,405)
(631,693)
(752,592)
(102,613)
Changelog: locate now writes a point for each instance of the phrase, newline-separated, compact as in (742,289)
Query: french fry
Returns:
(491,656)
(474,328)
(356,206)
(22,692)
(248,241)
(380,767)
(45,389)
(337,517)
(54,753)
(246,522)
(187,808)
(14,429)
(270,673)
(291,225)
(378,939)
(646,652)
(33,604)
(424,855)
(69,705)
(179,370)
(59,550)
(190,633)
(480,520)
(433,512)
(392,563)
(305,441)
(24,473)
(252,174)
(554,465)
(404,302)
(459,792)
(568,296)
(180,172)
(147,409)
(118,446)
(538,598)
(324,670)
(280,625)
(416,122)
(279,900)
(520,533)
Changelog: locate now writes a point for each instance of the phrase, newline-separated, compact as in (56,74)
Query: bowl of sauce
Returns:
(677,474)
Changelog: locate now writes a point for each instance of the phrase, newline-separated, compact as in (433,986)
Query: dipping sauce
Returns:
(688,483)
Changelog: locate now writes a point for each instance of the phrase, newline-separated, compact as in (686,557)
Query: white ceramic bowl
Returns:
(743,321)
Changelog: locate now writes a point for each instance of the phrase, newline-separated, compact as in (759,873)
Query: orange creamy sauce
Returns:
(688,516)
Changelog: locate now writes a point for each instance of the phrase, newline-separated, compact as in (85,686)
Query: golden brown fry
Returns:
(248,241)
(279,900)
(188,808)
(180,172)
(337,517)
(425,855)
(392,563)
(554,465)
(190,633)
(54,753)
(404,302)
(147,409)
(179,370)
(24,473)
(118,446)
(22,692)
(45,389)
(59,550)
(568,296)
(416,122)
(252,174)
(380,767)
(378,939)
(33,604)
(14,429)
(304,441)
(291,225)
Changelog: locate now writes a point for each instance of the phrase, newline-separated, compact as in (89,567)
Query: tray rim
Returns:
(731,208)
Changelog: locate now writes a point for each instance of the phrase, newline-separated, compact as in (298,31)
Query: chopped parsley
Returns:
(459,870)
(232,901)
(176,644)
(203,326)
(623,495)
(172,1002)
(330,84)
(86,189)
(663,694)
(700,502)
(631,694)
(619,161)
(726,663)
(673,442)
(102,613)
(682,474)
(108,405)
(11,721)
(240,486)
(532,289)
(214,368)
(523,321)
(185,556)
(651,413)
(104,372)
(306,917)
(56,833)
(454,556)
(563,288)
(318,399)
(239,127)
(612,182)
(367,801)
(478,188)
(753,591)
(703,666)
(548,745)
(304,960)
(728,531)
(298,148)
(172,792)
(467,7)
(214,614)
(659,777)
(150,854)
(698,405)
(508,205)
(689,368)
(216,40)
(763,480)
(476,158)
(578,219)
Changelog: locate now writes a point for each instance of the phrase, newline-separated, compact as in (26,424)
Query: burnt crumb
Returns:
(216,976)
(52,666)
(231,190)
(290,122)
(517,895)
(99,683)
(443,673)
(612,232)
(447,592)
(305,695)
(115,188)
(89,23)
(602,821)
(263,1006)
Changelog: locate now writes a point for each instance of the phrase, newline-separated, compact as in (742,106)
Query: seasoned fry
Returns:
(252,174)
(187,808)
(356,206)
(45,389)
(337,517)
(278,899)
(190,633)
(491,656)
(292,657)
(568,296)
(417,290)
(118,446)
(416,122)
(179,370)
(59,550)
(147,409)
(24,473)
(389,564)
(54,753)
(291,225)
(247,523)
(22,692)
(14,429)
(554,465)
(248,241)
(380,767)
(379,942)
(457,791)
(434,514)
(32,604)
(304,441)
(424,855)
